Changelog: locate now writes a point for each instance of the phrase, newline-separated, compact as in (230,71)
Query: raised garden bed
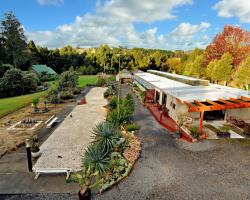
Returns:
(127,159)
(25,124)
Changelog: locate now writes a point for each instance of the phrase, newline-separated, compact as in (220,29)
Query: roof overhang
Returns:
(220,104)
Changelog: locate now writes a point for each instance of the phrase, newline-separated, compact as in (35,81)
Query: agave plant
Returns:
(105,136)
(95,160)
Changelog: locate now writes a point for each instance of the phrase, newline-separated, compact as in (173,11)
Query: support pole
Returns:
(29,158)
(201,121)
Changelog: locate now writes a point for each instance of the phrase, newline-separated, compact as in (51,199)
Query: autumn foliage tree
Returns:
(232,40)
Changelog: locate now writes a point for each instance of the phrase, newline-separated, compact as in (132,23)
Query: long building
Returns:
(195,98)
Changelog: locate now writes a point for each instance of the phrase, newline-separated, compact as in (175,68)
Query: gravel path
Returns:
(64,148)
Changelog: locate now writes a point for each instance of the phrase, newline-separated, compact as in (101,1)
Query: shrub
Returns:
(101,81)
(112,103)
(95,159)
(109,92)
(52,95)
(128,105)
(76,90)
(68,80)
(106,135)
(35,102)
(66,95)
(194,132)
(89,70)
(132,127)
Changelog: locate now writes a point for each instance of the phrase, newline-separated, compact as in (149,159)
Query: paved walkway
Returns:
(65,147)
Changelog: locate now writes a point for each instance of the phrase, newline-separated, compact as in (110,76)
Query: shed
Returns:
(43,69)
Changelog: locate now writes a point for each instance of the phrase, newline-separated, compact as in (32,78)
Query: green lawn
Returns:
(8,105)
(86,79)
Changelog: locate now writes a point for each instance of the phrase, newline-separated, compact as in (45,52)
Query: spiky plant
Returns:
(105,135)
(95,160)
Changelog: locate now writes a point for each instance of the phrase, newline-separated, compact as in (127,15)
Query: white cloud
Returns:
(234,8)
(182,36)
(50,2)
(117,28)
(144,10)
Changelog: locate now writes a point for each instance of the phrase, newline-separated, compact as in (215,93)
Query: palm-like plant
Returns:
(105,136)
(95,160)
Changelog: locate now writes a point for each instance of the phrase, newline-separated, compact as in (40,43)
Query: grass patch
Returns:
(87,79)
(11,104)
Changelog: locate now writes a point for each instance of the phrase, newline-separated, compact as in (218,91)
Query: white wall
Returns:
(240,113)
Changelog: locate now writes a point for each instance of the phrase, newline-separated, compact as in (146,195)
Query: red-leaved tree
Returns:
(233,40)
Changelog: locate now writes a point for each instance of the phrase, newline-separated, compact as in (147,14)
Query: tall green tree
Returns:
(14,40)
(222,71)
(243,74)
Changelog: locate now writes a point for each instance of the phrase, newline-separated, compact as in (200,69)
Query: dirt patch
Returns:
(10,140)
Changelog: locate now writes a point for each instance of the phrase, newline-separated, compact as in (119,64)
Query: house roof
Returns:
(189,93)
(43,68)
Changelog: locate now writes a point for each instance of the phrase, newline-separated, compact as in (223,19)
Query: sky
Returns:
(157,24)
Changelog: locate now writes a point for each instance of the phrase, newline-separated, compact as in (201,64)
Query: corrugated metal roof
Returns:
(189,93)
(43,68)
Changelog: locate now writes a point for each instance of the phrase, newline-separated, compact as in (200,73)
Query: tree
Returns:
(68,80)
(222,70)
(14,41)
(174,65)
(243,74)
(233,40)
(12,83)
(198,69)
(209,69)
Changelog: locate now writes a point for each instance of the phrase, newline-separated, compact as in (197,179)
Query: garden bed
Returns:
(131,154)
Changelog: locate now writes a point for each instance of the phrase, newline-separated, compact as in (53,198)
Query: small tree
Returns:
(68,80)
(35,103)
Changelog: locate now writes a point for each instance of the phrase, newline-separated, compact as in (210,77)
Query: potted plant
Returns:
(35,150)
(35,103)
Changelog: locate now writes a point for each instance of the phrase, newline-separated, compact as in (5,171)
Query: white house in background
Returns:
(192,97)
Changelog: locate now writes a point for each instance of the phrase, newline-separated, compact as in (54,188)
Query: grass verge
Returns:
(11,104)
(87,79)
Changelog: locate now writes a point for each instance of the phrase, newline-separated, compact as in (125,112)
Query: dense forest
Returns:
(226,60)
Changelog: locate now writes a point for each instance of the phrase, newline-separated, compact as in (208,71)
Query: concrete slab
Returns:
(65,147)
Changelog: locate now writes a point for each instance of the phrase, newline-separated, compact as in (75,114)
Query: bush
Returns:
(68,80)
(132,127)
(66,95)
(128,105)
(89,70)
(112,103)
(109,92)
(52,95)
(12,83)
(106,136)
(194,132)
(101,81)
(76,90)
